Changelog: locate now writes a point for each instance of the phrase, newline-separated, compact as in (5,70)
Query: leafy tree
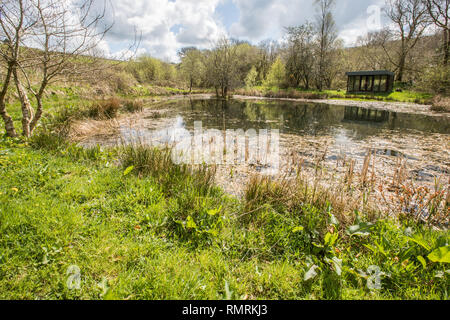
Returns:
(252,78)
(191,66)
(277,74)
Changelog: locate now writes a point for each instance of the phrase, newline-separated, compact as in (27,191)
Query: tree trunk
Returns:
(446,46)
(26,106)
(9,124)
(401,68)
(38,114)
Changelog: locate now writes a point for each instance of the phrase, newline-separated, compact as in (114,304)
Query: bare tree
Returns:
(326,32)
(411,21)
(222,67)
(372,55)
(439,12)
(17,18)
(47,40)
(300,54)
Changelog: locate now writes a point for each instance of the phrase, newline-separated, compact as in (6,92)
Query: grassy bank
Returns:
(274,92)
(137,226)
(140,231)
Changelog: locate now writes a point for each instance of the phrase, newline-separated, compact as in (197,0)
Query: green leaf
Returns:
(422,261)
(330,239)
(128,170)
(362,229)
(213,212)
(420,242)
(441,255)
(311,273)
(334,220)
(190,223)
(337,263)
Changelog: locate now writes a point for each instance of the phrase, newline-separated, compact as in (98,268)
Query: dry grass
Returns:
(104,109)
(441,104)
(133,106)
(356,191)
(84,128)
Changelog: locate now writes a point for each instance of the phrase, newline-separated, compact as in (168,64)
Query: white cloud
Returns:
(155,21)
(166,26)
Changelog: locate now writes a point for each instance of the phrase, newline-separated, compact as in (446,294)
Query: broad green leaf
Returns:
(441,255)
(420,242)
(327,238)
(330,239)
(337,263)
(311,273)
(362,229)
(333,220)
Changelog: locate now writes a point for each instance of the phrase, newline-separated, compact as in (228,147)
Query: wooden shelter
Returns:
(370,81)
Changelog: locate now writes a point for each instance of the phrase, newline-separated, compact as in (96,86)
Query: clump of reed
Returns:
(133,106)
(292,196)
(148,161)
(104,109)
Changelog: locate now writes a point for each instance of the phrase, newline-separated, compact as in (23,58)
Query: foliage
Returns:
(251,78)
(277,74)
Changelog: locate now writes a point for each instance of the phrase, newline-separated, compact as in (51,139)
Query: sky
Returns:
(165,26)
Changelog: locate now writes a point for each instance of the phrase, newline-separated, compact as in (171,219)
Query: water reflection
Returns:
(305,118)
(367,115)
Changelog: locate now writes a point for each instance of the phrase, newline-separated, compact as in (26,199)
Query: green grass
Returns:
(140,227)
(136,236)
(404,96)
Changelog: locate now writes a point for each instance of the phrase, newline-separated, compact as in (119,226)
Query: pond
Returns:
(337,135)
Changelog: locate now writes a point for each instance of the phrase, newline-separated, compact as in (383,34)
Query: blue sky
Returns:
(228,13)
(168,25)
